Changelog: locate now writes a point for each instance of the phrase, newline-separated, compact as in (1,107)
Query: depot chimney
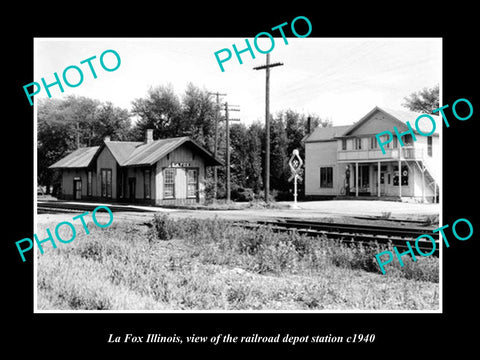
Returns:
(148,136)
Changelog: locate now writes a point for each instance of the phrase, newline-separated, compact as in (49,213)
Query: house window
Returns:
(357,143)
(107,183)
(404,176)
(344,144)
(146,184)
(374,142)
(326,177)
(192,183)
(384,139)
(395,142)
(169,183)
(89,182)
(406,140)
(430,143)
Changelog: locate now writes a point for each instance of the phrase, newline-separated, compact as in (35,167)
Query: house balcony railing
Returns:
(402,153)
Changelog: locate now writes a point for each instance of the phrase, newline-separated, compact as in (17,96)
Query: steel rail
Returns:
(350,234)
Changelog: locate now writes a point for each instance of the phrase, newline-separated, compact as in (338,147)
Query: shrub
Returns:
(262,250)
(163,228)
(242,194)
(432,220)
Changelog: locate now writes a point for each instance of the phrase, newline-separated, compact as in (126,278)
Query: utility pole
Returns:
(267,67)
(227,154)
(215,141)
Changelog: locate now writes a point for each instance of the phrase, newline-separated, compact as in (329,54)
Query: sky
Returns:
(340,79)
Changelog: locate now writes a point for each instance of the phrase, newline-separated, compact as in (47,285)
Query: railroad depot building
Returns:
(160,172)
(347,160)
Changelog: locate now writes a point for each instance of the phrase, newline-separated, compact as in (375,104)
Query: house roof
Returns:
(401,116)
(326,133)
(128,153)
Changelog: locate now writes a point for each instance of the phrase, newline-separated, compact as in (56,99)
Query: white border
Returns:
(306,312)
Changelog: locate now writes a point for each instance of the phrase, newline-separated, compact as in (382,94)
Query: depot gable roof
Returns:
(79,158)
(128,153)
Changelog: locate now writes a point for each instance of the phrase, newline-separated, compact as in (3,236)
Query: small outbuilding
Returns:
(156,172)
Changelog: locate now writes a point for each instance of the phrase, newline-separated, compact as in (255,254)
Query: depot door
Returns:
(131,188)
(77,189)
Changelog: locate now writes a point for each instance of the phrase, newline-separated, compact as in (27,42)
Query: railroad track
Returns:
(54,207)
(348,233)
(53,210)
(352,233)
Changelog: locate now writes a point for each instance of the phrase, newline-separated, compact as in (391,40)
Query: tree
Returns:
(55,140)
(198,116)
(296,127)
(239,154)
(169,116)
(254,178)
(423,101)
(288,130)
(161,111)
(66,124)
(112,121)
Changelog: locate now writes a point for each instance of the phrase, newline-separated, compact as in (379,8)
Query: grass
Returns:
(210,264)
(230,205)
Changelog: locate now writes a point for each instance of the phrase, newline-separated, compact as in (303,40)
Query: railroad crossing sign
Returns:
(295,164)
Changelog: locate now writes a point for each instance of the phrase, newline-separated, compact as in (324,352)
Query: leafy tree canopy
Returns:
(423,101)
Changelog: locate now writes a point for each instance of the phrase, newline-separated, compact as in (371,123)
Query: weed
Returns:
(210,264)
(431,220)
(385,215)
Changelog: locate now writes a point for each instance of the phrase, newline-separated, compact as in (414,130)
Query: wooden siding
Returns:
(183,154)
(68,176)
(106,160)
(317,155)
(185,157)
(378,122)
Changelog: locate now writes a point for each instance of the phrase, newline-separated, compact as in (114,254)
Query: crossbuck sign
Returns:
(295,164)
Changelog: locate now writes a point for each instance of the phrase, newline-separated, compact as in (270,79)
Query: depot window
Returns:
(146,185)
(106,183)
(89,182)
(169,183)
(192,183)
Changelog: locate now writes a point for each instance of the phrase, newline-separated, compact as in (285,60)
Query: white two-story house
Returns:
(347,160)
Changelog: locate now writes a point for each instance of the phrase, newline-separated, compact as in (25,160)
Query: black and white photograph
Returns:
(231,180)
(216,207)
